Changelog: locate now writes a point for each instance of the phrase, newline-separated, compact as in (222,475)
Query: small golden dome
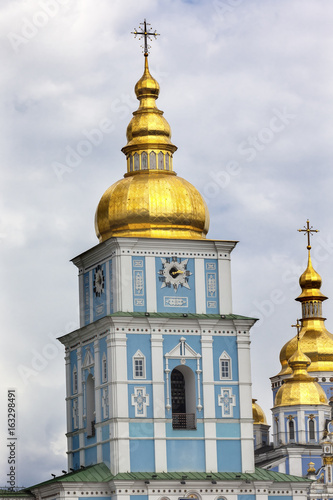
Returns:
(151,201)
(315,340)
(258,413)
(300,388)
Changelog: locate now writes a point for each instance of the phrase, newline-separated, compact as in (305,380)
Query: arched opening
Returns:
(291,430)
(312,435)
(90,388)
(183,398)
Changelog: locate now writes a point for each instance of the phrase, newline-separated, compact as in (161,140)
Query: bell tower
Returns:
(158,374)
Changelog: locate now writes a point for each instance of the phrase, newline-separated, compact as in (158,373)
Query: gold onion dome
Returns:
(151,201)
(258,414)
(315,341)
(300,388)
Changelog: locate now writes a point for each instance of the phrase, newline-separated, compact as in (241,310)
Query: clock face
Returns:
(99,280)
(174,273)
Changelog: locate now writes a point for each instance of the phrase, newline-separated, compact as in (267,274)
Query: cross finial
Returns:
(309,230)
(298,327)
(145,33)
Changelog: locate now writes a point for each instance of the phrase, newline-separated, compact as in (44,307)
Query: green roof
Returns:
(121,314)
(258,475)
(94,474)
(100,473)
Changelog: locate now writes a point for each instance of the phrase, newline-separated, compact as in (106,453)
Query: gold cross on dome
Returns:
(309,230)
(145,33)
(298,326)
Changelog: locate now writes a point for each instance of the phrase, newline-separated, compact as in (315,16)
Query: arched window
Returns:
(167,161)
(136,161)
(152,160)
(183,398)
(291,430)
(104,369)
(160,161)
(225,366)
(75,382)
(90,402)
(312,434)
(144,161)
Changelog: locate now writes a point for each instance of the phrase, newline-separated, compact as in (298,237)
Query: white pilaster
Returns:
(200,288)
(80,386)
(120,452)
(245,403)
(209,403)
(125,276)
(151,284)
(81,298)
(158,402)
(225,285)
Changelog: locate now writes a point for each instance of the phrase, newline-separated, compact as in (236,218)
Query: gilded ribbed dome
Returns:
(258,414)
(315,341)
(300,388)
(151,201)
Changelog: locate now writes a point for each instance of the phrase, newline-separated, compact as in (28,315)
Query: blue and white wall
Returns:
(122,274)
(132,414)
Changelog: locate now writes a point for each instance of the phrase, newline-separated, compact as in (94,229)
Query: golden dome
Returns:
(151,201)
(300,388)
(258,413)
(315,341)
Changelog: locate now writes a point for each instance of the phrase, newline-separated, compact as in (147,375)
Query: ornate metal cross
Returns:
(145,33)
(309,230)
(298,326)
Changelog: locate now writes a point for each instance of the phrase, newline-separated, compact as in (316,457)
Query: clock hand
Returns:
(177,272)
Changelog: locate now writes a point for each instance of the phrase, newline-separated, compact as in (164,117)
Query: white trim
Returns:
(75,380)
(139,356)
(104,369)
(225,357)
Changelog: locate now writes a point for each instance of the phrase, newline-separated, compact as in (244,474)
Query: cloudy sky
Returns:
(247,87)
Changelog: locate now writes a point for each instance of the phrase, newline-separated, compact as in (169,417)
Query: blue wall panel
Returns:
(149,392)
(234,410)
(99,298)
(90,455)
(137,342)
(169,299)
(280,497)
(229,456)
(185,455)
(316,459)
(139,284)
(142,455)
(76,460)
(86,297)
(106,453)
(141,429)
(229,345)
(75,442)
(225,430)
(211,286)
(179,433)
(105,432)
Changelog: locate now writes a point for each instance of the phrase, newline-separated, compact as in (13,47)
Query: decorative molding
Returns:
(140,401)
(227,401)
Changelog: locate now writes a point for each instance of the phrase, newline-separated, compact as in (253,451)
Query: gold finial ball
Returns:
(152,205)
